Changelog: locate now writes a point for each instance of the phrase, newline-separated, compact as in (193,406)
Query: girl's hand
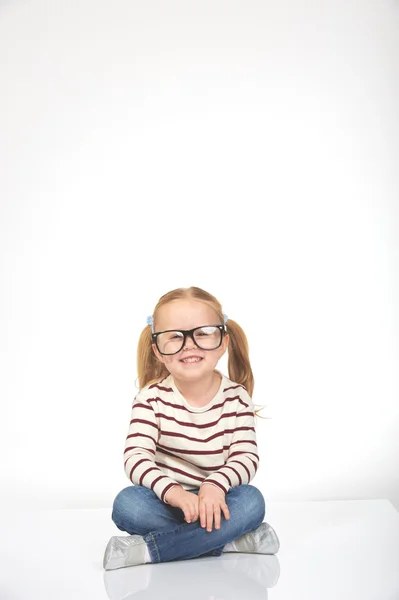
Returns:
(186,501)
(211,500)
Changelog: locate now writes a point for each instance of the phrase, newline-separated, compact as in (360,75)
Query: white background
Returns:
(249,148)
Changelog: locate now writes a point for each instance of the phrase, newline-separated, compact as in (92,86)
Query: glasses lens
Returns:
(207,338)
(170,342)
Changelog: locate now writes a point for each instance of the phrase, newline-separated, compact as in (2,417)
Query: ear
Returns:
(157,353)
(225,344)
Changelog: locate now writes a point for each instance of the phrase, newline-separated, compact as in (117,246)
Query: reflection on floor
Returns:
(233,576)
(346,550)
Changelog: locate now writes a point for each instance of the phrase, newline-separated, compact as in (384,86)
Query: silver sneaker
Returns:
(124,551)
(262,540)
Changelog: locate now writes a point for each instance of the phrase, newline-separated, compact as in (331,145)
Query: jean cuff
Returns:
(152,548)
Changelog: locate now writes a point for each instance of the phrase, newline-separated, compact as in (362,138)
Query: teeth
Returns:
(191,359)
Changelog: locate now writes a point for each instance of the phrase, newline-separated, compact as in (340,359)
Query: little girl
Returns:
(191,449)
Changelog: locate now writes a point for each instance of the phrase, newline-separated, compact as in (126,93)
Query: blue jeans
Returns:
(138,510)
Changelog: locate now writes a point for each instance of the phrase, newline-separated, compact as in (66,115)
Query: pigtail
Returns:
(149,368)
(239,365)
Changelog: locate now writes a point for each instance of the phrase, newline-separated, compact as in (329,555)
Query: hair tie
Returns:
(150,321)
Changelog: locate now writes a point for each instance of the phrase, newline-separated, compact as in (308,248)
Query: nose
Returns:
(189,343)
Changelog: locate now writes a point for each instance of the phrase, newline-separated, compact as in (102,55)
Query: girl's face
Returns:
(187,314)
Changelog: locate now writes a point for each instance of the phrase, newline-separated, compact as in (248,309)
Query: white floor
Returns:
(329,550)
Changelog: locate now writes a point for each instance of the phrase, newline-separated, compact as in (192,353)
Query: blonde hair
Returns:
(151,370)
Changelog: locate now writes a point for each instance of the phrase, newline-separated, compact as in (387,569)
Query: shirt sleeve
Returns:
(140,449)
(243,459)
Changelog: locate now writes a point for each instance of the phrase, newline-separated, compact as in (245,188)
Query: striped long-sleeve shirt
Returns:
(171,442)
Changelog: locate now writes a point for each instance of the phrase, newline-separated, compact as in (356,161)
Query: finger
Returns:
(226,511)
(194,513)
(216,516)
(202,512)
(209,518)
(187,512)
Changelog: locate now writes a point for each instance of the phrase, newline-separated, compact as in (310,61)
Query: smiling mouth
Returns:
(191,359)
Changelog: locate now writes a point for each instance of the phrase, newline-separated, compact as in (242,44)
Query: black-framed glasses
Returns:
(206,337)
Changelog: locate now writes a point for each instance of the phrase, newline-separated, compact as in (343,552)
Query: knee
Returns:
(137,510)
(122,498)
(124,506)
(254,502)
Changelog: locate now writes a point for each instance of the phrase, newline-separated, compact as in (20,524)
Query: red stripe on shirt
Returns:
(176,470)
(234,387)
(192,439)
(199,452)
(131,435)
(216,483)
(140,447)
(235,471)
(156,480)
(145,473)
(203,425)
(144,422)
(160,387)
